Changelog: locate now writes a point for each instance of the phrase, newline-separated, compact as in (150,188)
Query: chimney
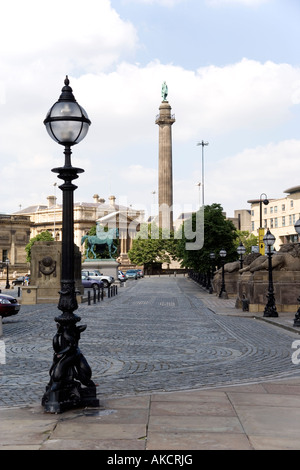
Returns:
(51,201)
(112,201)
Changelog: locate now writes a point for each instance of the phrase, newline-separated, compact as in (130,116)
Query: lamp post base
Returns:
(71,396)
(270,311)
(297,316)
(70,384)
(223,294)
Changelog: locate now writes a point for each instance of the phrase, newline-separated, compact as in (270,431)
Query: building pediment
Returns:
(118,219)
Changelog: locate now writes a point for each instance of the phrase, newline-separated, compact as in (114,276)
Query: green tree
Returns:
(43,236)
(219,233)
(152,246)
(247,238)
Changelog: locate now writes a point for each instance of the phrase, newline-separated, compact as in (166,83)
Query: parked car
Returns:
(8,305)
(139,273)
(88,282)
(19,281)
(131,274)
(95,274)
(121,276)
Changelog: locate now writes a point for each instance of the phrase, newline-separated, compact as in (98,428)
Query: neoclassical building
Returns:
(49,217)
(14,236)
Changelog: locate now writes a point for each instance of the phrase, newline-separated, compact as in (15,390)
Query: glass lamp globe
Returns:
(269,239)
(66,122)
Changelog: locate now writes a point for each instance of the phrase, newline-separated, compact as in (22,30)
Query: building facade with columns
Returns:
(14,236)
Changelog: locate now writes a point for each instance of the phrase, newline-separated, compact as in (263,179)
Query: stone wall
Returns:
(254,286)
(231,281)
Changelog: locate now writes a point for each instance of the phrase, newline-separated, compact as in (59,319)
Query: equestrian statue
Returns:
(101,238)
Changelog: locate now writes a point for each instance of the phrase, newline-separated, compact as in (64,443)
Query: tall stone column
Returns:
(165,172)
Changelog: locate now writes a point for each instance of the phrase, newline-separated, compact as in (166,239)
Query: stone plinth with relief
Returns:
(45,270)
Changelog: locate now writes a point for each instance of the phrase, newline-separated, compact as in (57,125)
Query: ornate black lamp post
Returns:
(241,250)
(223,292)
(7,276)
(264,200)
(212,257)
(297,316)
(270,309)
(261,230)
(67,123)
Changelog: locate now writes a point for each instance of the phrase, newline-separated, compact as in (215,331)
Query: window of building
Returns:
(283,207)
(252,226)
(265,210)
(276,222)
(4,255)
(292,203)
(271,210)
(271,223)
(290,220)
(275,209)
(283,221)
(252,213)
(265,223)
(294,219)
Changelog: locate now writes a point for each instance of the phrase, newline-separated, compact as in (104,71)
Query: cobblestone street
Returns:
(157,334)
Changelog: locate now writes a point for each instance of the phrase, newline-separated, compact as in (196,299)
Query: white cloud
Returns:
(163,3)
(139,174)
(250,3)
(270,168)
(39,34)
(246,95)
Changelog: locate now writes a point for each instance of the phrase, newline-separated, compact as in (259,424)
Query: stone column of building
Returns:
(165,172)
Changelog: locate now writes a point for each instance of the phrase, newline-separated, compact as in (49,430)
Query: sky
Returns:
(233,73)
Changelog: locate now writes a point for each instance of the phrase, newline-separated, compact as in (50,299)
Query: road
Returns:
(157,334)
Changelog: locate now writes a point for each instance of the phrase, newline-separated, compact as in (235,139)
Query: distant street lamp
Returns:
(67,123)
(212,259)
(223,292)
(261,231)
(270,309)
(297,316)
(202,183)
(199,185)
(241,250)
(7,277)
